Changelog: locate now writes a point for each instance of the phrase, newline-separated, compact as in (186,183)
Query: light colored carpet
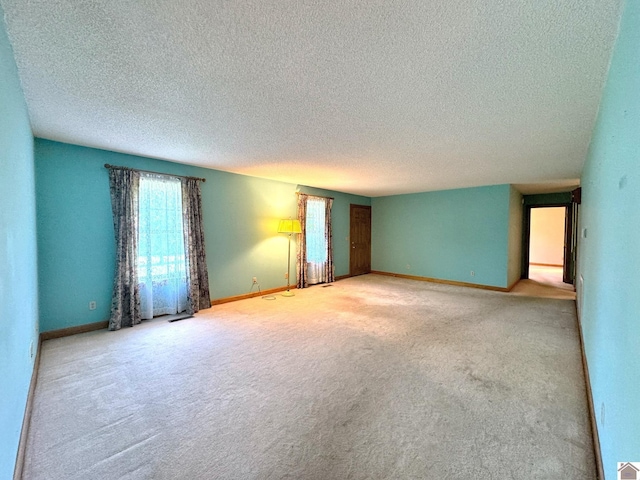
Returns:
(374,377)
(545,282)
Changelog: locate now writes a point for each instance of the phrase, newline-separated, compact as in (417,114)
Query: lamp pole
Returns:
(288,293)
(289,227)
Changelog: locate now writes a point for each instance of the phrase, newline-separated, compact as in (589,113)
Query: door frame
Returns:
(526,234)
(571,201)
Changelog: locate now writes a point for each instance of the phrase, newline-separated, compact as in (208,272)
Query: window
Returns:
(315,257)
(161,264)
(161,255)
(315,231)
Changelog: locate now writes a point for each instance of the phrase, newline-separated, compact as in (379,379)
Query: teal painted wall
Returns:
(514,268)
(75,230)
(444,234)
(18,266)
(609,257)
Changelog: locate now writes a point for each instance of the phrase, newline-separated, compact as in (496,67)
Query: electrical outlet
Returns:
(92,305)
(473,274)
(286,275)
(255,279)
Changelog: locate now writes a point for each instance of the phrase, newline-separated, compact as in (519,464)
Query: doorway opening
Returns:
(541,275)
(547,245)
(557,213)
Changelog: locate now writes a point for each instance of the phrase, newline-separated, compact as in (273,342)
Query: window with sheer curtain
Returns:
(314,250)
(161,265)
(316,240)
(160,255)
(318,258)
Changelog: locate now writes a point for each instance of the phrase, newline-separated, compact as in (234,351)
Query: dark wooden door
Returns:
(571,232)
(360,236)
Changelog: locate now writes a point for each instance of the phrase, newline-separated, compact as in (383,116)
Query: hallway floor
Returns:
(545,282)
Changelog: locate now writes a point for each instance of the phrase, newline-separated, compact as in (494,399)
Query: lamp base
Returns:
(288,293)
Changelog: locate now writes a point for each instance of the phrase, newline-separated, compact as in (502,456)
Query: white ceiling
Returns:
(373,97)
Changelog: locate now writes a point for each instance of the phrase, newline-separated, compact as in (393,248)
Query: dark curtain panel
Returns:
(125,302)
(198,297)
(301,250)
(329,270)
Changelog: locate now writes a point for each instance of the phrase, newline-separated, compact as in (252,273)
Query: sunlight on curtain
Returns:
(161,255)
(315,240)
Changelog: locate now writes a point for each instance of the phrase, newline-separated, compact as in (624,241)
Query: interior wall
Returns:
(609,258)
(444,234)
(514,267)
(75,230)
(18,266)
(547,236)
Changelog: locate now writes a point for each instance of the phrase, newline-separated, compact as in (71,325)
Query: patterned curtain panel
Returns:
(301,249)
(198,296)
(315,249)
(329,273)
(125,302)
(162,273)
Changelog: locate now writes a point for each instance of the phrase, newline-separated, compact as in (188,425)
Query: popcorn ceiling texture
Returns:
(369,97)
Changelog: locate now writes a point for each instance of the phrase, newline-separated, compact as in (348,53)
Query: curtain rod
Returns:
(106,165)
(312,195)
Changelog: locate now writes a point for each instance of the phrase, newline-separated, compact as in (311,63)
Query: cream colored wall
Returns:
(547,235)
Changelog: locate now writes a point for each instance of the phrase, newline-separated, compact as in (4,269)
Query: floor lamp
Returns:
(289,226)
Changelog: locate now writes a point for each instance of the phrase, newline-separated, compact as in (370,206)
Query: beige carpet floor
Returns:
(545,282)
(371,378)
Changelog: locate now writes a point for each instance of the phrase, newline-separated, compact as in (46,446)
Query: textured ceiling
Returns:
(373,97)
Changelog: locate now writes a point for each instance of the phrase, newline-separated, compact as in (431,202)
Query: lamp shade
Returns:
(289,226)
